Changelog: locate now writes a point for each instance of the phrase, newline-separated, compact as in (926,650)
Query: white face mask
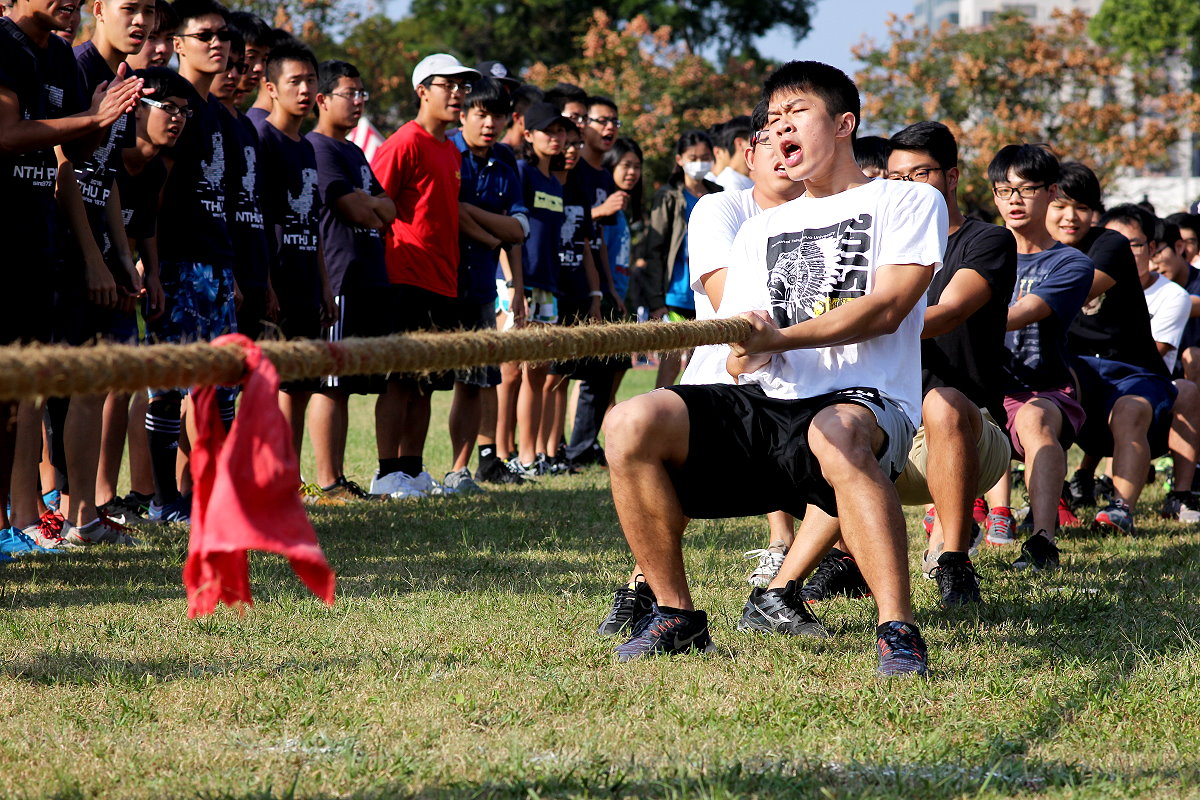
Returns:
(697,169)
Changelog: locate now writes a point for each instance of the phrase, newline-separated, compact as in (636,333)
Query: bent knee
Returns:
(1131,411)
(649,424)
(845,437)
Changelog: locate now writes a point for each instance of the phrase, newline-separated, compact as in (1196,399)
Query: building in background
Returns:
(971,13)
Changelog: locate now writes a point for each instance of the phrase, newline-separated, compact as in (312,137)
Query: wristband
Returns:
(508,284)
(596,293)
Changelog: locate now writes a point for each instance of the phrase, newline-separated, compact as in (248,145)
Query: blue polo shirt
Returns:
(492,185)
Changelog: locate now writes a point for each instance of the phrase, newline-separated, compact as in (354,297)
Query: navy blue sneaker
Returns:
(631,603)
(660,634)
(901,650)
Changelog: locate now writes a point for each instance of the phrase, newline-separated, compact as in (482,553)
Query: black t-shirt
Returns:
(96,173)
(966,358)
(574,236)
(598,185)
(192,224)
(247,227)
(46,83)
(1116,325)
(1191,331)
(353,256)
(291,203)
(139,197)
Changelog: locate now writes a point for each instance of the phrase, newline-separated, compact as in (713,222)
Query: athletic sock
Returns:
(162,430)
(487,454)
(410,465)
(388,465)
(669,611)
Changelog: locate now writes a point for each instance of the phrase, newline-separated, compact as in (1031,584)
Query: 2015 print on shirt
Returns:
(817,269)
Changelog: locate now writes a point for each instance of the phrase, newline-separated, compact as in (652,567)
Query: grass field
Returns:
(460,661)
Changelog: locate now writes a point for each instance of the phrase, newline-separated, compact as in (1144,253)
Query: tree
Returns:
(517,32)
(662,88)
(1150,30)
(1014,81)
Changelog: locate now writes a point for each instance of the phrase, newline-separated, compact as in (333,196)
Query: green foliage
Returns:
(520,32)
(1149,30)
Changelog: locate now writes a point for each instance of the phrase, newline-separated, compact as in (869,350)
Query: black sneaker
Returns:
(493,470)
(957,580)
(780,611)
(901,650)
(1037,553)
(592,457)
(1105,491)
(836,574)
(630,605)
(1081,490)
(659,634)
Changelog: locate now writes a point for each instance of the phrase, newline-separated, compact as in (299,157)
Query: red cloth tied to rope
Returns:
(245,494)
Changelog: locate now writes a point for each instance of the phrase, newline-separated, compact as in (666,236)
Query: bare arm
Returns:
(502,226)
(593,282)
(19,135)
(120,243)
(714,285)
(470,227)
(1026,311)
(966,293)
(361,209)
(102,289)
(1101,283)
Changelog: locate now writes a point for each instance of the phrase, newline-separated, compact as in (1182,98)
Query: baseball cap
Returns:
(439,64)
(540,116)
(499,72)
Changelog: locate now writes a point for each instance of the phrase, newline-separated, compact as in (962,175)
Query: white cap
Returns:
(439,64)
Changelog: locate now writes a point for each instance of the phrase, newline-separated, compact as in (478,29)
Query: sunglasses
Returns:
(223,35)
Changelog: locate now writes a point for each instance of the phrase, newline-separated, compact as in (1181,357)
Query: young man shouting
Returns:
(825,401)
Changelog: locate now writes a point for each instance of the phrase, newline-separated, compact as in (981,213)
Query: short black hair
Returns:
(1031,162)
(1168,233)
(1185,220)
(331,71)
(601,100)
(237,46)
(279,36)
(833,86)
(871,152)
(165,82)
(931,138)
(758,117)
(489,94)
(253,29)
(1131,213)
(191,9)
(524,96)
(564,93)
(1078,182)
(737,128)
(165,18)
(288,51)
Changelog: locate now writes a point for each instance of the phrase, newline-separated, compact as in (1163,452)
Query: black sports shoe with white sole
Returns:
(631,603)
(957,580)
(780,611)
(837,573)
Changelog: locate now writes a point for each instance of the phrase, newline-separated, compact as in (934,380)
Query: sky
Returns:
(837,26)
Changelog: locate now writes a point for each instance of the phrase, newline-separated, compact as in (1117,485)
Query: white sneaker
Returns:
(426,485)
(461,482)
(769,562)
(98,532)
(390,484)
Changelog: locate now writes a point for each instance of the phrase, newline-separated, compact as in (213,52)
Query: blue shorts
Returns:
(1102,383)
(199,303)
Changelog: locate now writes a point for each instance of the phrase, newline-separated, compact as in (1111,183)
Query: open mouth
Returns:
(66,11)
(791,153)
(137,36)
(608,138)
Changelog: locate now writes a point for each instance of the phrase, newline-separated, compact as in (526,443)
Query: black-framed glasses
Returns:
(919,175)
(1137,244)
(604,122)
(452,87)
(354,95)
(1025,192)
(170,108)
(575,145)
(578,119)
(761,138)
(223,35)
(240,67)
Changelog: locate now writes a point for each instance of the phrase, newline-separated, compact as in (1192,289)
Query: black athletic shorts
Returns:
(417,309)
(748,453)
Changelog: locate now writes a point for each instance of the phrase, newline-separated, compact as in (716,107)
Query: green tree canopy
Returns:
(1149,30)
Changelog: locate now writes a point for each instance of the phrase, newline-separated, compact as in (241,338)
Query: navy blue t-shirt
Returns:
(539,256)
(139,197)
(292,205)
(247,226)
(46,83)
(1191,331)
(506,154)
(97,173)
(1037,353)
(575,237)
(192,225)
(598,185)
(489,184)
(353,256)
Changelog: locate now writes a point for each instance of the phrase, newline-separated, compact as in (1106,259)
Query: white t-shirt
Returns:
(733,181)
(713,226)
(802,258)
(1169,305)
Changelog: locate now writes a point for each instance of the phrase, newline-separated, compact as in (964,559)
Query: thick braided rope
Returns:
(54,371)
